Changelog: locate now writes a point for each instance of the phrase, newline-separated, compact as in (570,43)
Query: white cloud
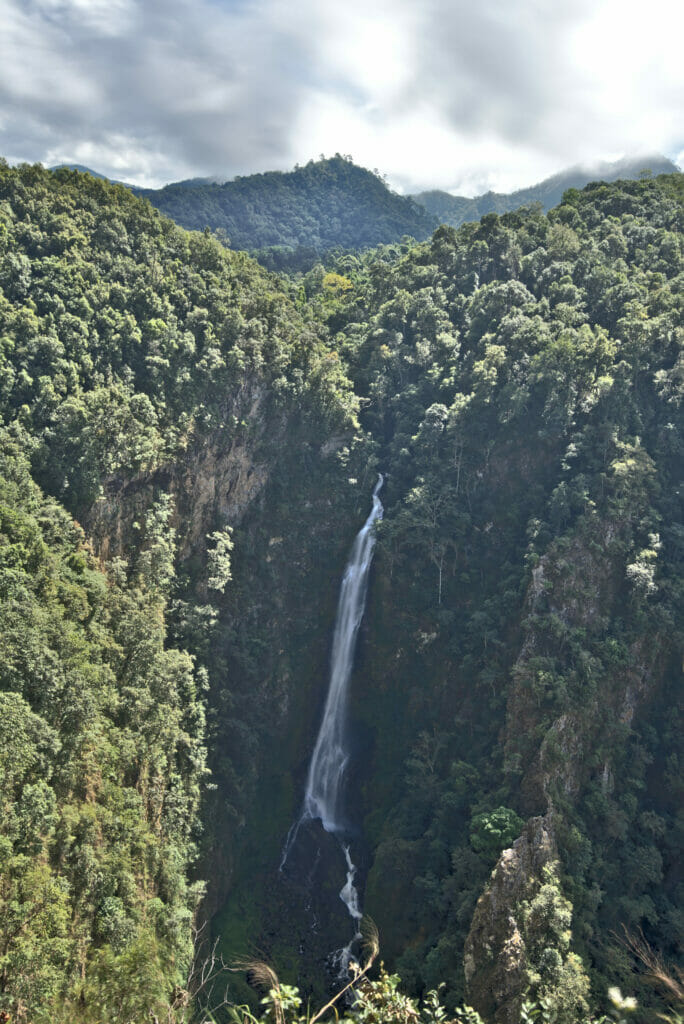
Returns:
(437,94)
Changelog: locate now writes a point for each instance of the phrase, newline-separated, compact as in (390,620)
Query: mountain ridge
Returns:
(456,210)
(290,220)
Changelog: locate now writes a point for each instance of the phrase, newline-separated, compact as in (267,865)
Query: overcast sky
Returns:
(458,94)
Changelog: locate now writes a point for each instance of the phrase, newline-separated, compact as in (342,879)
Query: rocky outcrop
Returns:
(560,711)
(212,484)
(496,960)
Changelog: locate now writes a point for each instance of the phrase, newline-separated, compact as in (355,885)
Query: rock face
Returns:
(307,891)
(215,484)
(212,483)
(496,957)
(522,918)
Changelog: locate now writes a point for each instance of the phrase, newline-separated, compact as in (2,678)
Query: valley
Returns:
(189,447)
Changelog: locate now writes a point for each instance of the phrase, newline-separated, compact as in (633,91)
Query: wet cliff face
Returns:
(291,500)
(271,650)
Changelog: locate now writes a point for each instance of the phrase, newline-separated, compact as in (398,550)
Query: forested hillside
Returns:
(526,381)
(522,652)
(101,763)
(456,210)
(290,220)
(216,431)
(137,360)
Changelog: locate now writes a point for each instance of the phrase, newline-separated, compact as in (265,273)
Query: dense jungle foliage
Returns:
(124,336)
(126,344)
(526,377)
(101,761)
(290,220)
(519,382)
(522,380)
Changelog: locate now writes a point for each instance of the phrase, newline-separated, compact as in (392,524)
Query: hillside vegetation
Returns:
(525,377)
(289,220)
(128,349)
(216,431)
(522,649)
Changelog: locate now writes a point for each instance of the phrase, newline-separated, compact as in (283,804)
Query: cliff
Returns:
(513,702)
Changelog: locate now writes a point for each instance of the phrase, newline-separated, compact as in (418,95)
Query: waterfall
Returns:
(324,793)
(325,782)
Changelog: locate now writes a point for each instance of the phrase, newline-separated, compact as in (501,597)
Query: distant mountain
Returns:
(291,219)
(88,170)
(199,182)
(79,167)
(455,210)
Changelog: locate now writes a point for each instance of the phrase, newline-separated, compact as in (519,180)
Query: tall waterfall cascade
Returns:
(325,783)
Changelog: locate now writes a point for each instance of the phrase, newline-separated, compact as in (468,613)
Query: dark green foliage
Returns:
(524,377)
(124,339)
(492,831)
(289,220)
(380,1000)
(520,384)
(128,348)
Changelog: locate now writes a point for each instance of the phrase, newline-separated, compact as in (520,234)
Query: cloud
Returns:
(501,93)
(437,94)
(152,89)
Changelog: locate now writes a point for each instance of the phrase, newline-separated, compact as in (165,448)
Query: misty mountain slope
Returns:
(299,215)
(456,210)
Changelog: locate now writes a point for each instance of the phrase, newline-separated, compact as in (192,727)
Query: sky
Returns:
(450,94)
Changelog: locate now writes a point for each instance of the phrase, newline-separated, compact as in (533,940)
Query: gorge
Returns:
(187,449)
(325,784)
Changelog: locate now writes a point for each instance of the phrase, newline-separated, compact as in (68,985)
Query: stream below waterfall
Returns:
(325,784)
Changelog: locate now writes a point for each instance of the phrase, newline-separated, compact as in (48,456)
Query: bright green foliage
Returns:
(102,742)
(556,975)
(380,1001)
(492,831)
(125,343)
(522,384)
(101,760)
(124,340)
(219,559)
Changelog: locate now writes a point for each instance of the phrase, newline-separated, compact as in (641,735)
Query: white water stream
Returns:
(323,797)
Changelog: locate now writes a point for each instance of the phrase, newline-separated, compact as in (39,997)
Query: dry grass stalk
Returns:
(371,947)
(655,969)
(264,977)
